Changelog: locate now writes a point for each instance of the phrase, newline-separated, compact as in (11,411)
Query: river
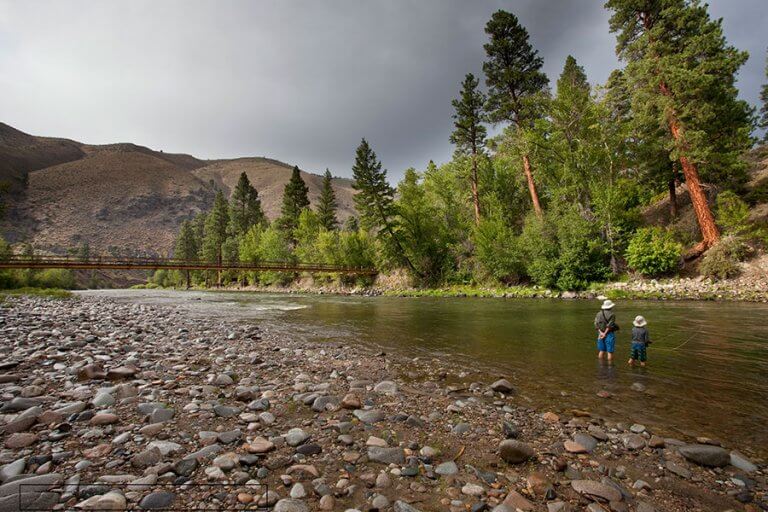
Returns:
(707,373)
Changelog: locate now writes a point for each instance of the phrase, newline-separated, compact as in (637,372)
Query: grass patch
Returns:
(51,293)
(468,291)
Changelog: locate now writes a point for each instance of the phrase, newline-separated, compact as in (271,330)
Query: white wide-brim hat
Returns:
(639,321)
(608,304)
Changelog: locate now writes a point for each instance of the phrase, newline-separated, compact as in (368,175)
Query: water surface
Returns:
(707,372)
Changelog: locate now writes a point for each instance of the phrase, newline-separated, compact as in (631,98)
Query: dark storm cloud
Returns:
(301,81)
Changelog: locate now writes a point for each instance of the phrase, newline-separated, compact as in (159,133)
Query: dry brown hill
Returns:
(269,177)
(124,198)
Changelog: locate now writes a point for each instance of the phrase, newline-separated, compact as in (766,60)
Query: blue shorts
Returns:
(606,344)
(638,352)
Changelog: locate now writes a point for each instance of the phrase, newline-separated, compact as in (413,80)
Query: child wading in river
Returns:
(640,341)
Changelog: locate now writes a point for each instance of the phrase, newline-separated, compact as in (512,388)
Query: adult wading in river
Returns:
(605,323)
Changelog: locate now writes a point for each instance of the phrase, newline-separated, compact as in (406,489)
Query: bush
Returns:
(497,251)
(732,213)
(653,252)
(564,250)
(54,278)
(722,260)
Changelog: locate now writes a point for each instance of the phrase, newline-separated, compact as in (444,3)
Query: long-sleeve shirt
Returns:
(605,319)
(640,335)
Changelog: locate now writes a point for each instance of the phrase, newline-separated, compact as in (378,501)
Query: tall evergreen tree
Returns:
(515,82)
(571,134)
(295,199)
(375,201)
(326,208)
(244,207)
(764,108)
(215,231)
(681,72)
(186,246)
(469,133)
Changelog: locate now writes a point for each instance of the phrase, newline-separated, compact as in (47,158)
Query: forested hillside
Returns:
(650,172)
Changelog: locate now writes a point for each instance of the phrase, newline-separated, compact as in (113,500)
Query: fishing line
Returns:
(677,347)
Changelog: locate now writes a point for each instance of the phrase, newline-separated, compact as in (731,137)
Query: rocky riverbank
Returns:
(107,405)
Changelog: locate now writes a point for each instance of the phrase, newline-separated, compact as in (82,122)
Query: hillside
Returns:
(123,198)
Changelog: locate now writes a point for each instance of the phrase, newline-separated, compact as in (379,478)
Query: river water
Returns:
(707,373)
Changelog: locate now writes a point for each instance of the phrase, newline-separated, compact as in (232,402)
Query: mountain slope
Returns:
(124,198)
(269,177)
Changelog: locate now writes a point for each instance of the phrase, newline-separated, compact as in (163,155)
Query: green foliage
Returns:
(215,229)
(326,207)
(375,202)
(512,72)
(266,244)
(654,252)
(732,213)
(498,251)
(678,63)
(295,199)
(420,230)
(306,234)
(244,207)
(722,260)
(564,250)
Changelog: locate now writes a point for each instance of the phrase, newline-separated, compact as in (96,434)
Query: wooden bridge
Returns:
(121,263)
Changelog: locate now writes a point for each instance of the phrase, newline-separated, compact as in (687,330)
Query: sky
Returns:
(301,81)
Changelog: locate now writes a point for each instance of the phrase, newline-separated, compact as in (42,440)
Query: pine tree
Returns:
(326,208)
(681,74)
(374,200)
(244,207)
(295,199)
(571,134)
(515,82)
(186,246)
(764,109)
(469,134)
(215,231)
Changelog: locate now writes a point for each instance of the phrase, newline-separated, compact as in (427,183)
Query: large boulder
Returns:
(706,455)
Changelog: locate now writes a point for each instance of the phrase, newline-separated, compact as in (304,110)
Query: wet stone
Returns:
(515,452)
(157,500)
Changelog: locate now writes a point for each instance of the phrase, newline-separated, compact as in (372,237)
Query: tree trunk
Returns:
(188,280)
(475,193)
(672,199)
(531,185)
(709,232)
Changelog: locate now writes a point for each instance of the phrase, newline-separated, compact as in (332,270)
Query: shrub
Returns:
(564,250)
(653,252)
(54,278)
(732,213)
(498,252)
(722,260)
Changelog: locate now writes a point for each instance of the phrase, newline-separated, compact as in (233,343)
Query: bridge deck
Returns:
(118,263)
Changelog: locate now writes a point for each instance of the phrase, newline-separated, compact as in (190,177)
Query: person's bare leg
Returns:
(631,362)
(642,363)
(610,357)
(600,354)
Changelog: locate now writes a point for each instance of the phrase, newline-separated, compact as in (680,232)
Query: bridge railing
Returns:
(127,263)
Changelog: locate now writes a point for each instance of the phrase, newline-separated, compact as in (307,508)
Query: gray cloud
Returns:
(301,81)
